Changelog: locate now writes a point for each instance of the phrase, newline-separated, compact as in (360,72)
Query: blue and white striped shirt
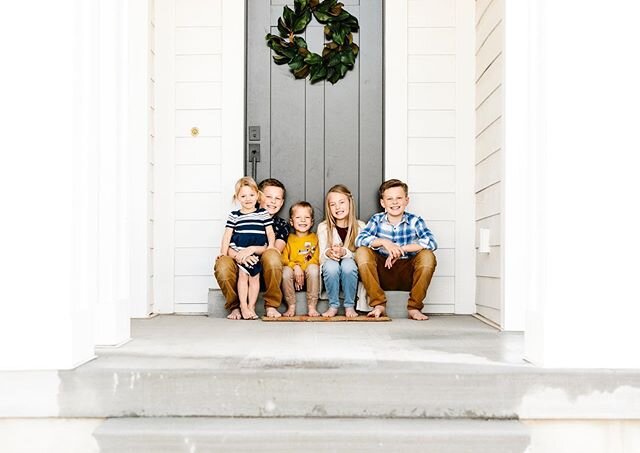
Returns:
(412,229)
(248,229)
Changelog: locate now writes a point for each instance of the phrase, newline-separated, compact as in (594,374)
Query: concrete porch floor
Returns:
(204,342)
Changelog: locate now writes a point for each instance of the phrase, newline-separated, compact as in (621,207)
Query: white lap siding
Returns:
(489,105)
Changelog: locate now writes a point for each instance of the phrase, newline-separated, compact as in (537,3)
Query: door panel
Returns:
(315,136)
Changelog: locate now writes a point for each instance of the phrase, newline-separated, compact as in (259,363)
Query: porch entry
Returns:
(311,137)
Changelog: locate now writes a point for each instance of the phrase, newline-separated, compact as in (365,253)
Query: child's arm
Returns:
(323,242)
(271,237)
(425,237)
(280,245)
(286,252)
(226,240)
(315,259)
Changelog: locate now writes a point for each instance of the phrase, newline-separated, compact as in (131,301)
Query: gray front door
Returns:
(315,136)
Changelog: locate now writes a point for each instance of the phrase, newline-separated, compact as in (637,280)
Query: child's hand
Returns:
(246,257)
(393,249)
(336,252)
(298,278)
(390,262)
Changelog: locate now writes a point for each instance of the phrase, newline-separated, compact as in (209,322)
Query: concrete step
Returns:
(396,305)
(142,435)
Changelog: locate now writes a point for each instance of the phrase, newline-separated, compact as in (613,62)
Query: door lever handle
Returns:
(254,158)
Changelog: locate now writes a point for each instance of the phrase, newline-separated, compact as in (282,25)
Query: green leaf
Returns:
(282,28)
(301,22)
(336,10)
(296,63)
(288,15)
(313,59)
(318,73)
(321,17)
(289,52)
(347,57)
(300,42)
(338,36)
(342,69)
(280,60)
(302,72)
(300,5)
(334,78)
(334,60)
(344,15)
(331,72)
(352,23)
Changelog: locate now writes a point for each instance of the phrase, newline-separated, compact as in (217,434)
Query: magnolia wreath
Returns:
(339,52)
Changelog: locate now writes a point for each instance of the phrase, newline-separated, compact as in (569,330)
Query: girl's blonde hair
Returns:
(245,181)
(352,222)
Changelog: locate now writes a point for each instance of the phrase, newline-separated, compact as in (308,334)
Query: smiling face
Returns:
(339,207)
(272,199)
(247,198)
(301,219)
(394,201)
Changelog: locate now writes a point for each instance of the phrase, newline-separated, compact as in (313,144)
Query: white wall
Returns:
(194,181)
(428,133)
(489,105)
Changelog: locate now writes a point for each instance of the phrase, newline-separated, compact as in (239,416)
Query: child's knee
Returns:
(313,271)
(364,255)
(426,258)
(349,266)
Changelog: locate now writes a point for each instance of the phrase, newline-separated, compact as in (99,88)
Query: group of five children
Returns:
(393,251)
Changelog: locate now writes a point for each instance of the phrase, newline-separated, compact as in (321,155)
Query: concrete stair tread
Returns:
(297,434)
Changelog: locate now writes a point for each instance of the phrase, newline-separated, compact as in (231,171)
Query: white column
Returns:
(47,189)
(65,236)
(113,305)
(517,149)
(583,185)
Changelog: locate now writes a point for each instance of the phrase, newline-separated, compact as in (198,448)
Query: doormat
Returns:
(305,318)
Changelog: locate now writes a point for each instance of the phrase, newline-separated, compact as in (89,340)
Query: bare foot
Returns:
(235,314)
(273,313)
(291,311)
(252,308)
(330,313)
(350,312)
(247,313)
(417,315)
(377,311)
(313,312)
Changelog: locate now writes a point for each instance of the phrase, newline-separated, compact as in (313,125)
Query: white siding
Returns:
(433,123)
(151,151)
(192,205)
(489,105)
(198,192)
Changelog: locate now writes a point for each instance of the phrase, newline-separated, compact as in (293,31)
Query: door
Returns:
(313,136)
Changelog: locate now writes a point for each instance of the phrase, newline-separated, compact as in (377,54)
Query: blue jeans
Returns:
(345,272)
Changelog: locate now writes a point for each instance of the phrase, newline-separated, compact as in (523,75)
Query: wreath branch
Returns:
(339,52)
